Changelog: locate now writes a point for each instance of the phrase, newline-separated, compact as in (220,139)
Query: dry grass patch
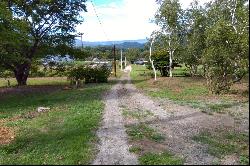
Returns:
(7,134)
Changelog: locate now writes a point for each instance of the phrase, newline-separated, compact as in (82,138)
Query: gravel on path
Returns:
(177,122)
(113,148)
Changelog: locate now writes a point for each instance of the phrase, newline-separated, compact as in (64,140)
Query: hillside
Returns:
(119,44)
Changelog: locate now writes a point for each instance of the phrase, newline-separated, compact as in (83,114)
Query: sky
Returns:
(120,19)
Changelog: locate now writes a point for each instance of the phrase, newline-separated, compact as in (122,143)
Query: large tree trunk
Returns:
(22,70)
(21,73)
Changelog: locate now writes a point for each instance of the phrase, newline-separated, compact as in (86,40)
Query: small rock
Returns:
(67,88)
(43,109)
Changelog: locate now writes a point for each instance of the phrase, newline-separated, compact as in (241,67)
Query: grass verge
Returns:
(139,114)
(142,131)
(164,158)
(224,143)
(64,135)
(188,91)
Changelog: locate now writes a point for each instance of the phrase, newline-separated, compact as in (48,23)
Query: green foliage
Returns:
(222,60)
(244,160)
(215,36)
(170,38)
(192,50)
(31,29)
(6,75)
(91,74)
(161,62)
(225,57)
(138,114)
(160,159)
(132,54)
(135,149)
(141,131)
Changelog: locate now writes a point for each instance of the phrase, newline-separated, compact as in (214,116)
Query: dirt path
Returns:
(178,124)
(113,147)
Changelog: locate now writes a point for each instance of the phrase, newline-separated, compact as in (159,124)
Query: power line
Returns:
(99,20)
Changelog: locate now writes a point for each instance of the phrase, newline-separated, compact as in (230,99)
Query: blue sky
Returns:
(121,19)
(105,2)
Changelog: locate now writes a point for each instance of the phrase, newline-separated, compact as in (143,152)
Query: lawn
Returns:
(63,135)
(188,90)
(37,81)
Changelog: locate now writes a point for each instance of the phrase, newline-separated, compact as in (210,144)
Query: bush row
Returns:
(90,73)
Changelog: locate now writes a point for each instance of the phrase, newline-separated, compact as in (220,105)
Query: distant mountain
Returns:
(119,44)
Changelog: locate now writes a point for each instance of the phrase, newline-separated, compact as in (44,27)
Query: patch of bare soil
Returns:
(7,134)
(230,160)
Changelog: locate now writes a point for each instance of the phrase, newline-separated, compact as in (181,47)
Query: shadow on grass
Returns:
(23,102)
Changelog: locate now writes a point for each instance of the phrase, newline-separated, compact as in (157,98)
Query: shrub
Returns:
(90,73)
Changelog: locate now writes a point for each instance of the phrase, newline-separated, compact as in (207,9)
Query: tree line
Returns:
(214,36)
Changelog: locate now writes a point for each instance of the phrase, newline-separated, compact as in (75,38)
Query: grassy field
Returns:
(63,135)
(37,81)
(188,90)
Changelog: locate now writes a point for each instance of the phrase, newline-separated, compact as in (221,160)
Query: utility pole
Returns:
(114,61)
(81,38)
(121,59)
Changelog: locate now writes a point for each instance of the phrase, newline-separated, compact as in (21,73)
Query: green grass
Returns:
(183,90)
(160,159)
(220,107)
(138,114)
(135,149)
(225,143)
(142,131)
(64,135)
(244,160)
(37,81)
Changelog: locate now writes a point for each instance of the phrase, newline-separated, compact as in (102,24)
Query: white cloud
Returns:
(126,20)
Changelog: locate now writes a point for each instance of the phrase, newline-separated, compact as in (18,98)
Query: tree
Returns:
(161,62)
(13,36)
(34,25)
(194,38)
(132,54)
(226,54)
(169,18)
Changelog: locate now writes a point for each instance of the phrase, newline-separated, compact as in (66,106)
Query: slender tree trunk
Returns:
(170,64)
(170,57)
(152,63)
(21,73)
(121,59)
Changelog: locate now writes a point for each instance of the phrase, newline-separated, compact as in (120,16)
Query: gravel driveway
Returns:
(178,124)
